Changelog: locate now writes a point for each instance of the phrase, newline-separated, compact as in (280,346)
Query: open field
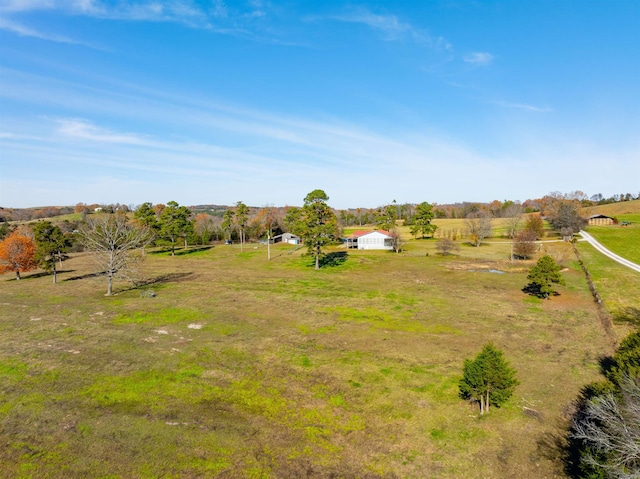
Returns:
(624,241)
(239,367)
(622,210)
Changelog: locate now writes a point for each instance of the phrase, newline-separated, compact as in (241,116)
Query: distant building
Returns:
(286,238)
(376,239)
(600,220)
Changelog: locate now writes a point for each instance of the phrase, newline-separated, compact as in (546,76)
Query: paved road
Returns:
(592,241)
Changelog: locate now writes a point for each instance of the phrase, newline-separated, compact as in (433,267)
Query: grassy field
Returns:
(624,241)
(617,284)
(243,368)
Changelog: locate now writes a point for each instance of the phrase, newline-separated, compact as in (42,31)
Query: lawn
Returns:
(624,241)
(241,367)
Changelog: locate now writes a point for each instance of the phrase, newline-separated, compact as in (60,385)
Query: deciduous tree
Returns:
(17,253)
(112,239)
(535,224)
(488,378)
(605,430)
(51,246)
(564,215)
(478,227)
(204,226)
(512,215)
(524,244)
(446,246)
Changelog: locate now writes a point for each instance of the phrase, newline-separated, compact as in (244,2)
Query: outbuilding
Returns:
(376,239)
(286,238)
(600,220)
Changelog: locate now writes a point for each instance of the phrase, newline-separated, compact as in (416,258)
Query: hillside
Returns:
(614,209)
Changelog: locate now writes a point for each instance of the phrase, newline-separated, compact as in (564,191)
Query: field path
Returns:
(592,241)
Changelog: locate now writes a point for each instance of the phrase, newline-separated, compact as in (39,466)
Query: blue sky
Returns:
(264,101)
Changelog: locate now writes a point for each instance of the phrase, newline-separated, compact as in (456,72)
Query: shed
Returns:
(599,220)
(376,239)
(286,238)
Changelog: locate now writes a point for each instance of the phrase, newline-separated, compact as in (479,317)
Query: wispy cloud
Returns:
(392,27)
(85,130)
(179,11)
(478,58)
(523,106)
(27,5)
(25,31)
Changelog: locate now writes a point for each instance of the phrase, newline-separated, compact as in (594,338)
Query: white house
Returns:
(377,239)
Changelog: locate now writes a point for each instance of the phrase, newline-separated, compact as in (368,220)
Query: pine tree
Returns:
(51,246)
(422,220)
(488,378)
(319,225)
(542,276)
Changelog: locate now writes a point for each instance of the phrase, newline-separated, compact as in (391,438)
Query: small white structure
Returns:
(286,238)
(377,239)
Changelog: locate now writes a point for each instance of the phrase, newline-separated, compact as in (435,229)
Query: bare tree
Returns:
(447,246)
(478,226)
(512,219)
(610,426)
(112,240)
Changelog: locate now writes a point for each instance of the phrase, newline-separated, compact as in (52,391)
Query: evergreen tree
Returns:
(51,246)
(422,220)
(227,223)
(242,215)
(542,276)
(385,218)
(488,378)
(319,225)
(174,223)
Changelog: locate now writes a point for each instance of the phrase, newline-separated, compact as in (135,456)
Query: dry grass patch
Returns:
(350,371)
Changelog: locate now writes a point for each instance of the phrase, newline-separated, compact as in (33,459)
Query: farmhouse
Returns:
(377,239)
(599,220)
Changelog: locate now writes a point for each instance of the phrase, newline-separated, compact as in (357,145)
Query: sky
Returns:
(214,102)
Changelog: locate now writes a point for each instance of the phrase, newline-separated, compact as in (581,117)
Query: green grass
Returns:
(248,368)
(624,241)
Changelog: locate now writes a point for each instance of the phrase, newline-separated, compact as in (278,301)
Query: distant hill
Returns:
(614,209)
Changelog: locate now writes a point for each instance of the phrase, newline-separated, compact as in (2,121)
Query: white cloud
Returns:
(26,5)
(478,58)
(85,130)
(392,28)
(30,32)
(523,106)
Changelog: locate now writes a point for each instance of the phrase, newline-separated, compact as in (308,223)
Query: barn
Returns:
(376,239)
(600,220)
